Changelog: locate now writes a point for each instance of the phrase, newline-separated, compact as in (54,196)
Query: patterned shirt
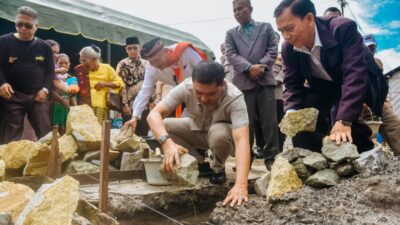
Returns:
(132,73)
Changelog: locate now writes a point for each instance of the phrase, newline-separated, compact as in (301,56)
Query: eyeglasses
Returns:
(26,25)
(130,48)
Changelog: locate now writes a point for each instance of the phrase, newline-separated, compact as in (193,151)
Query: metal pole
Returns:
(108,53)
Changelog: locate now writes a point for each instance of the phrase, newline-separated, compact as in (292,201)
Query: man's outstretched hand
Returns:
(171,154)
(237,196)
(341,133)
(131,123)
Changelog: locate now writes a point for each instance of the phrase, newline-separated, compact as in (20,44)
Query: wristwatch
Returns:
(163,139)
(345,123)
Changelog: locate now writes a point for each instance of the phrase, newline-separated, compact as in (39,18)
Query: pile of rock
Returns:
(53,203)
(79,148)
(318,170)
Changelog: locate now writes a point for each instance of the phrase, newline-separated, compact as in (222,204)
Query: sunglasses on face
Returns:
(130,48)
(26,25)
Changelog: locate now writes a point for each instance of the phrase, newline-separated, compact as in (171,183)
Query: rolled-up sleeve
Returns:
(239,116)
(175,97)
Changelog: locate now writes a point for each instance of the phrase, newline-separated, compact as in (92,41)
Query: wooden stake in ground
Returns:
(104,159)
(54,164)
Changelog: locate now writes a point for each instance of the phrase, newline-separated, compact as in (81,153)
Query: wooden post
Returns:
(104,160)
(54,164)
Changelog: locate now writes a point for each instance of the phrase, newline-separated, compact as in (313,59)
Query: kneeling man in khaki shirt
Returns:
(217,120)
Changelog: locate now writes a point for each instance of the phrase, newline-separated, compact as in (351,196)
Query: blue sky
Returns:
(210,19)
(381,18)
(385,17)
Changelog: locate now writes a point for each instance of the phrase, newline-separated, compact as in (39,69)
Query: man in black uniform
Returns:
(26,75)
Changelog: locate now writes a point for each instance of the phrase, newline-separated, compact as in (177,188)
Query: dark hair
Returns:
(333,9)
(27,11)
(52,43)
(208,72)
(300,8)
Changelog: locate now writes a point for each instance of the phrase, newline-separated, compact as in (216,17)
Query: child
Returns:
(62,92)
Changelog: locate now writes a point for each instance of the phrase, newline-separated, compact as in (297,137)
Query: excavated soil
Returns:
(373,200)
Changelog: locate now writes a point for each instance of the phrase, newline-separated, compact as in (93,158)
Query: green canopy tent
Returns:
(77,23)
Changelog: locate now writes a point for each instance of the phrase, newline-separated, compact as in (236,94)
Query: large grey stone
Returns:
(84,126)
(316,161)
(131,161)
(53,203)
(67,146)
(128,141)
(37,164)
(79,220)
(371,161)
(323,178)
(14,197)
(47,138)
(339,153)
(187,173)
(2,170)
(290,155)
(301,169)
(284,179)
(81,167)
(345,169)
(293,154)
(95,155)
(6,218)
(17,153)
(300,120)
(261,184)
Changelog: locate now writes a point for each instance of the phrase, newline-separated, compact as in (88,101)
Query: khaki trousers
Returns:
(390,129)
(218,139)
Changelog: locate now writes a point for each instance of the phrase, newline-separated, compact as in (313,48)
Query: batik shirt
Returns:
(132,73)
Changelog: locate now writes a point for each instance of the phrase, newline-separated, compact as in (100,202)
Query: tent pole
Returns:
(108,53)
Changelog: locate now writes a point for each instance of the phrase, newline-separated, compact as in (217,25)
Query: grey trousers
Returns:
(218,139)
(261,107)
(390,129)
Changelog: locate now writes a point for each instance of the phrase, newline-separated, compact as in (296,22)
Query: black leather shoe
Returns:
(258,152)
(268,163)
(205,170)
(218,178)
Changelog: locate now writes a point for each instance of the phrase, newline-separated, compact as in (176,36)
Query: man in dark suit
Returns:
(252,48)
(327,54)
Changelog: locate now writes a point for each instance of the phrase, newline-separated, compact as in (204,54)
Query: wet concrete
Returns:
(136,202)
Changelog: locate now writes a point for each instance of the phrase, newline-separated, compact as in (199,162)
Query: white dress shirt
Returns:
(317,69)
(188,60)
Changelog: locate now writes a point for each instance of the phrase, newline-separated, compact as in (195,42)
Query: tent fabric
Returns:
(96,22)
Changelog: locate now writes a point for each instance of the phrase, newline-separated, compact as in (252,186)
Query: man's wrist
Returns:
(345,123)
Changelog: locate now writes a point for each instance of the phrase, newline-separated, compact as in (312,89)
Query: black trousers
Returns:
(142,128)
(15,110)
(261,107)
(322,96)
(280,113)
